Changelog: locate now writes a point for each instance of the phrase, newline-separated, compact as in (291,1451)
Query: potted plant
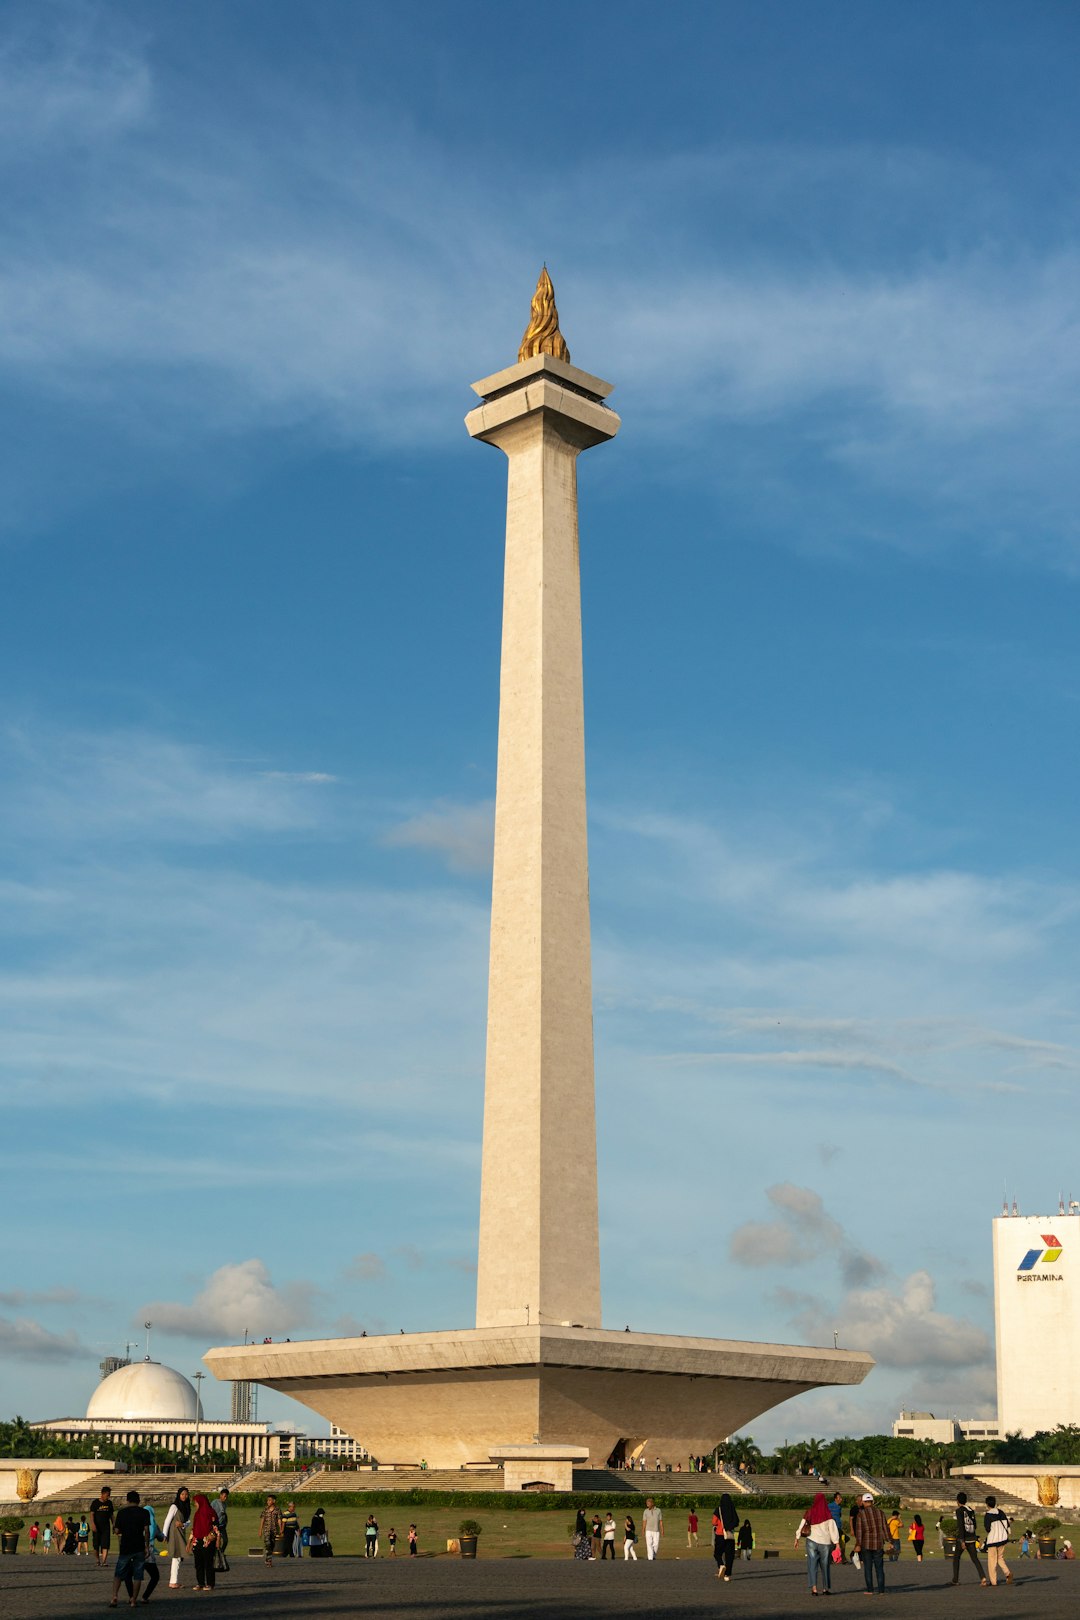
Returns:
(949,1528)
(9,1533)
(1044,1534)
(468,1530)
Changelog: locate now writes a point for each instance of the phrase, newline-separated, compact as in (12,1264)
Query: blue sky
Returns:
(253,257)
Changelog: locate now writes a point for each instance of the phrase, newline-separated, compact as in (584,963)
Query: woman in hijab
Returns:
(725,1522)
(318,1540)
(818,1528)
(175,1531)
(582,1539)
(204,1543)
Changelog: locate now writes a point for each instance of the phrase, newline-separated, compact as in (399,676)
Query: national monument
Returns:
(539,1382)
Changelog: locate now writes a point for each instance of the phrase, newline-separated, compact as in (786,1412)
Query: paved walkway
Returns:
(532,1589)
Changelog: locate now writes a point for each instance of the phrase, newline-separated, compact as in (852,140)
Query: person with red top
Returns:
(692,1528)
(203,1544)
(917,1536)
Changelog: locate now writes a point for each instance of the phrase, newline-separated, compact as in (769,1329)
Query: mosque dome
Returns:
(145,1389)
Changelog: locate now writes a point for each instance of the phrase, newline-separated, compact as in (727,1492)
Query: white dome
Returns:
(146,1389)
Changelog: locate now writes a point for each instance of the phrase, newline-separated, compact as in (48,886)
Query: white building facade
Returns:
(1037,1319)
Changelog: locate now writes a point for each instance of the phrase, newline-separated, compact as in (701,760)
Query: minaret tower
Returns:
(539,1258)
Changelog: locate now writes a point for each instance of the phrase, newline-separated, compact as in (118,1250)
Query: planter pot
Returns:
(468,1546)
(1047,1546)
(950,1546)
(9,1541)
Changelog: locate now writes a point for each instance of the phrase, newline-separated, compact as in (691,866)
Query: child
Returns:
(412,1541)
(46,1538)
(83,1533)
(391,1537)
(35,1531)
(1025,1544)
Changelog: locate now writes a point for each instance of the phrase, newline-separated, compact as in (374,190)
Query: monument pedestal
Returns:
(455,1398)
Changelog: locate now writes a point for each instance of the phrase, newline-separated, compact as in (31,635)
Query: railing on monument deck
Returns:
(869,1482)
(301,1477)
(740,1482)
(233,1480)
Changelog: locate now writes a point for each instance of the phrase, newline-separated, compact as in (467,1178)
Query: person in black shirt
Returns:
(101,1517)
(966,1538)
(133,1528)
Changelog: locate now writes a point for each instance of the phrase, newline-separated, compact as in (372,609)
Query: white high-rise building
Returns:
(1037,1319)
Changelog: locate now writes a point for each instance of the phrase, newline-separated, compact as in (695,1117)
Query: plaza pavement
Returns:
(525,1589)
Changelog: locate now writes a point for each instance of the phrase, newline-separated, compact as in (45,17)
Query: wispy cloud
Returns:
(339,279)
(237,1298)
(462,834)
(23,1339)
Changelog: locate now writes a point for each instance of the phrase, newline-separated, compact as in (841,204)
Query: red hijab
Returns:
(205,1522)
(817,1514)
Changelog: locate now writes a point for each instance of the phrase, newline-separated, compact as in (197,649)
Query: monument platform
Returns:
(455,1398)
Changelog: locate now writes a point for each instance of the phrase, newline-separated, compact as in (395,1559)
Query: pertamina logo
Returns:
(1026,1272)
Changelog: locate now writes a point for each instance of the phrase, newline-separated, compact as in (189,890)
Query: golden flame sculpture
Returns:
(26,1484)
(1048,1487)
(542,335)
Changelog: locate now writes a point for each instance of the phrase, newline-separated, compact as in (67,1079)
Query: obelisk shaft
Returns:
(539,1253)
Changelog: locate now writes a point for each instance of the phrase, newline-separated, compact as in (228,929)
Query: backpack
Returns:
(998,1531)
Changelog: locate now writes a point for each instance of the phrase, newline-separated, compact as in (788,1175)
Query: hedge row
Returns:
(532,1501)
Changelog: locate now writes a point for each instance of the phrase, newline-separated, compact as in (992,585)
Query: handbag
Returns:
(856,1561)
(837,1556)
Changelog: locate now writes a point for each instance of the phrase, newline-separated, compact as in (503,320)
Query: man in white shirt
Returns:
(652,1522)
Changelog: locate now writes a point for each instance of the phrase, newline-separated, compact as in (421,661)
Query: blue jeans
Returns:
(873,1562)
(817,1564)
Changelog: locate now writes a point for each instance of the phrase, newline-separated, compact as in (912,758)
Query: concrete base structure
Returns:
(457,1397)
(32,1479)
(1053,1487)
(539,1468)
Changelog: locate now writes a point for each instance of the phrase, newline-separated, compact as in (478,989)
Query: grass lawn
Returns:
(543,1534)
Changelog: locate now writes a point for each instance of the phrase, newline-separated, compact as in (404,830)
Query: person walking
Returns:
(150,1568)
(966,1537)
(82,1538)
(917,1537)
(101,1517)
(871,1534)
(318,1536)
(221,1514)
(896,1525)
(59,1531)
(133,1528)
(836,1508)
(46,1539)
(175,1531)
(596,1534)
(692,1528)
(414,1546)
(607,1549)
(269,1528)
(290,1529)
(996,1525)
(652,1522)
(817,1528)
(371,1537)
(391,1542)
(34,1533)
(629,1545)
(725,1523)
(203,1544)
(582,1540)
(745,1540)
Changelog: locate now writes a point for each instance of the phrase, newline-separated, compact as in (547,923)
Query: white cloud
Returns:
(463,834)
(237,1298)
(23,1339)
(343,275)
(901,1327)
(119,784)
(366,1267)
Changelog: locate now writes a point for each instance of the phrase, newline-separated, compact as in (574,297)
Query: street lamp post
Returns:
(199,1376)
